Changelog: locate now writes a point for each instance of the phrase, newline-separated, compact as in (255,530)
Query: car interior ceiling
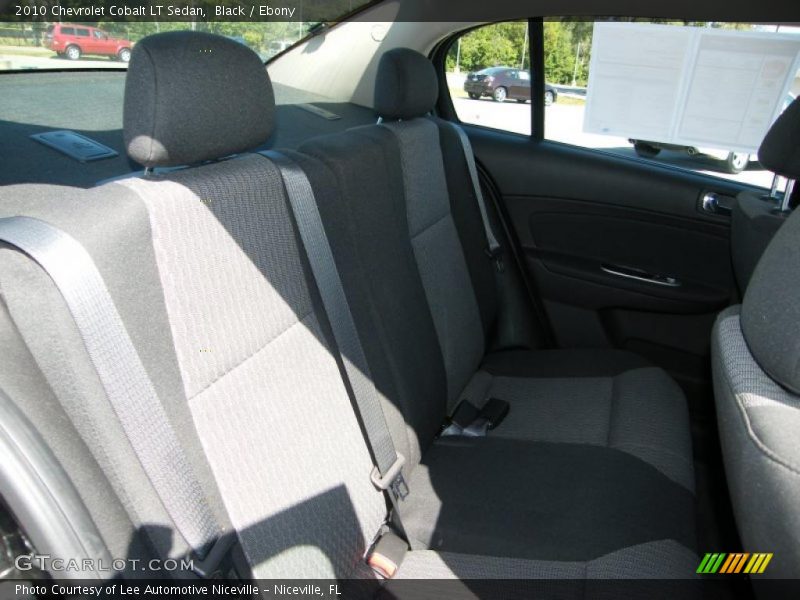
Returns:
(307,249)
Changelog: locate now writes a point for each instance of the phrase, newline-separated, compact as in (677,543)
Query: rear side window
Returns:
(698,96)
(82,32)
(67,31)
(488,75)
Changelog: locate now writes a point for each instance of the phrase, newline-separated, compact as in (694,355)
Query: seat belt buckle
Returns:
(494,411)
(496,254)
(387,555)
(210,566)
(393,479)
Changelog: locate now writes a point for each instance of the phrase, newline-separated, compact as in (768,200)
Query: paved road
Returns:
(15,61)
(564,123)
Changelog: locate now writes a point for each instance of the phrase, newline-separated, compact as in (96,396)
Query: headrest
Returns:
(405,85)
(771,312)
(193,96)
(780,150)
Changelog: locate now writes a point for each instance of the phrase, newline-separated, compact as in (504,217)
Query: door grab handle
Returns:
(640,275)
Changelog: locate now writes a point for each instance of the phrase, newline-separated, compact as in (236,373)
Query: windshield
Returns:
(31,44)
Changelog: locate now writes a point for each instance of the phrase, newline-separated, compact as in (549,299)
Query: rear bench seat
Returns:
(600,397)
(211,281)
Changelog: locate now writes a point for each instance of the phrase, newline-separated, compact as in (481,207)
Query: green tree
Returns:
(500,44)
(559,58)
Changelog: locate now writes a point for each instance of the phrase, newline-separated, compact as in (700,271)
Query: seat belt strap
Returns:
(493,248)
(119,367)
(387,474)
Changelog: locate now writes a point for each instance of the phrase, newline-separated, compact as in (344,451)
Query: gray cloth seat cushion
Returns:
(608,398)
(770,316)
(541,501)
(573,362)
(759,423)
(664,559)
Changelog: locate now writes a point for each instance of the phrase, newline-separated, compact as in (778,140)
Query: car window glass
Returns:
(485,69)
(698,96)
(27,45)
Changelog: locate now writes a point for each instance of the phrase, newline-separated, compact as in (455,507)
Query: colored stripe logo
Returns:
(737,562)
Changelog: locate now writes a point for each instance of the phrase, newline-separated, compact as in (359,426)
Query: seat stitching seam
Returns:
(659,448)
(430,225)
(757,442)
(258,350)
(760,445)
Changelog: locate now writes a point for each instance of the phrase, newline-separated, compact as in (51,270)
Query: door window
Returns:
(698,96)
(488,76)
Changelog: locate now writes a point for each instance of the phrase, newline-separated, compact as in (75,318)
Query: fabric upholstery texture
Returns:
(406,85)
(641,412)
(651,560)
(219,303)
(780,150)
(258,374)
(362,225)
(438,252)
(564,362)
(758,422)
(771,327)
(367,227)
(542,500)
(112,225)
(192,96)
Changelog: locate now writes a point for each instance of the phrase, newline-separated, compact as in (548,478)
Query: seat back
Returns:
(406,89)
(756,363)
(213,287)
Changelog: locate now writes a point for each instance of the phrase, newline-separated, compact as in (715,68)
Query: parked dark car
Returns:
(502,83)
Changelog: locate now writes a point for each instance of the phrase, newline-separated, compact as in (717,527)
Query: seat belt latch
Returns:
(470,421)
(211,565)
(393,479)
(387,555)
(494,411)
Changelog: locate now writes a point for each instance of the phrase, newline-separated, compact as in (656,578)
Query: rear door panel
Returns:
(582,217)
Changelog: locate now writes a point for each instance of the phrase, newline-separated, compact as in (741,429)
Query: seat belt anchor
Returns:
(393,479)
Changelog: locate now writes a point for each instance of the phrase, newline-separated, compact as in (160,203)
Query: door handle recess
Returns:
(640,275)
(710,203)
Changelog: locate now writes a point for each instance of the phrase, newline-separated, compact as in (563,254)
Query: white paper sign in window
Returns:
(688,86)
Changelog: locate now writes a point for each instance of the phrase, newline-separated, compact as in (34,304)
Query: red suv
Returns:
(73,41)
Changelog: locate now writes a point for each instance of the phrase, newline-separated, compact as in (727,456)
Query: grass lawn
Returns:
(26,51)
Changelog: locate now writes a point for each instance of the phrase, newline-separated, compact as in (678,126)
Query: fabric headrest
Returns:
(191,97)
(405,85)
(770,314)
(780,150)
